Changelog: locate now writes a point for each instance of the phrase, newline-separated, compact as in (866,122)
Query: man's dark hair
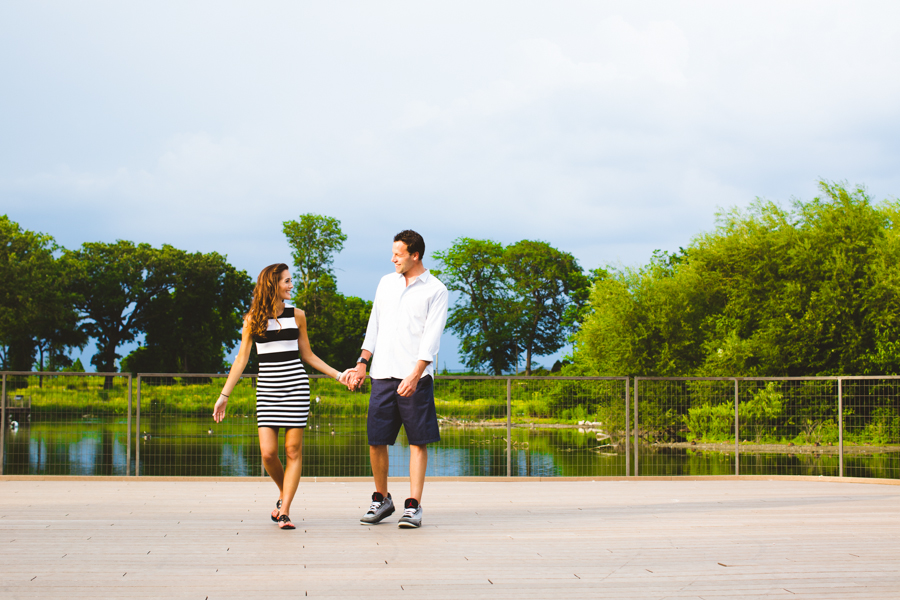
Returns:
(413,241)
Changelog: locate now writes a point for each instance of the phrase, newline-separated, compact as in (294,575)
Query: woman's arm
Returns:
(237,369)
(306,353)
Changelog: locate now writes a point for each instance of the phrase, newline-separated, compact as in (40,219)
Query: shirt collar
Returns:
(424,277)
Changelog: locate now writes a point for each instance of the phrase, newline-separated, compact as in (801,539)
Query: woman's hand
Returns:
(219,409)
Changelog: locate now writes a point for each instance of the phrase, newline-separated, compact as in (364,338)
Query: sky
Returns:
(608,129)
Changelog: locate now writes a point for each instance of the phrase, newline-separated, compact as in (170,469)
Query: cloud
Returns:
(606,129)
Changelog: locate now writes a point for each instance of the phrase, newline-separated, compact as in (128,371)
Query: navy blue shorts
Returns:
(388,410)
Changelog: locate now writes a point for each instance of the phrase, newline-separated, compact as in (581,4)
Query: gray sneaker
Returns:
(380,508)
(412,514)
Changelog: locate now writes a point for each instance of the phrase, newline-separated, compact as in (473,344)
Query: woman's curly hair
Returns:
(265,299)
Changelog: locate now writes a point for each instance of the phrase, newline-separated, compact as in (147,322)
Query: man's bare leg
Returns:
(378,456)
(418,462)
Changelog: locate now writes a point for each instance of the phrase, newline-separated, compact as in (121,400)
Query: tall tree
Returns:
(314,241)
(189,328)
(482,317)
(114,286)
(810,290)
(36,312)
(336,324)
(548,287)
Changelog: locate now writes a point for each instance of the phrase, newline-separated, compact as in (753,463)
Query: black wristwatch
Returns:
(362,360)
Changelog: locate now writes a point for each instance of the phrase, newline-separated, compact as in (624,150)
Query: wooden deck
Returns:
(549,539)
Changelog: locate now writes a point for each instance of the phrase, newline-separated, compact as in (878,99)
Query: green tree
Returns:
(482,317)
(811,290)
(522,297)
(190,327)
(644,321)
(336,324)
(548,288)
(314,241)
(114,286)
(37,319)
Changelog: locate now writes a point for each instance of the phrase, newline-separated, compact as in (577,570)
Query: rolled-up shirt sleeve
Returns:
(434,326)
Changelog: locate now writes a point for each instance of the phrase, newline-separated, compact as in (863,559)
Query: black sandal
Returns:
(284,522)
(274,514)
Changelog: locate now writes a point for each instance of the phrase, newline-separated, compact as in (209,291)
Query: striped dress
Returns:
(282,389)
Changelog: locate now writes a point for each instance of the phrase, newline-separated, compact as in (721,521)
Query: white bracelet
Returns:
(341,374)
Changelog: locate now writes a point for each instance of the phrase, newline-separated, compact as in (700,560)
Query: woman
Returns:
(282,389)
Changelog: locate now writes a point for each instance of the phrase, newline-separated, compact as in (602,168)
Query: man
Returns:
(404,334)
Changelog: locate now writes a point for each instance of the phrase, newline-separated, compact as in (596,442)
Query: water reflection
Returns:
(336,447)
(42,449)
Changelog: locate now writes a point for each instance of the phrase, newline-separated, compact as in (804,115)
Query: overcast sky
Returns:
(607,129)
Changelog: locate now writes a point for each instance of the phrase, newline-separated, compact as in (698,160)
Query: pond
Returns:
(336,447)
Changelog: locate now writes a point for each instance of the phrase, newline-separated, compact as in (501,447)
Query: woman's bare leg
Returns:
(268,445)
(293,448)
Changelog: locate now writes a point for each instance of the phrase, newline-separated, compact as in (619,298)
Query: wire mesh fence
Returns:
(161,424)
(789,427)
(684,426)
(572,427)
(831,426)
(871,426)
(176,435)
(66,424)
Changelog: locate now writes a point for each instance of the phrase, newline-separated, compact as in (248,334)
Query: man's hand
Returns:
(359,376)
(408,385)
(348,378)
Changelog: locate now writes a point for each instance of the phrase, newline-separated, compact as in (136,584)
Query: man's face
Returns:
(402,260)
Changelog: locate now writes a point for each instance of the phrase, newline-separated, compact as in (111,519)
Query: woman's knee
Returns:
(293,451)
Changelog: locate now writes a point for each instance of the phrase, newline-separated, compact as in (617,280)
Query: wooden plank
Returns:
(135,538)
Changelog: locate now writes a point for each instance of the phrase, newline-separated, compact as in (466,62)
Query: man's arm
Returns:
(435,321)
(409,384)
(430,343)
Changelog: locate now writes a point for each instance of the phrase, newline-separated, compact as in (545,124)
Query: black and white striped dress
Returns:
(282,389)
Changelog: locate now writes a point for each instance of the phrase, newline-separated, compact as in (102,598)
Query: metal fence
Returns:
(66,424)
(160,424)
(832,426)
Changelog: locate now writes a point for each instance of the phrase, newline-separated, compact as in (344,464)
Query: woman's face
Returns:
(285,285)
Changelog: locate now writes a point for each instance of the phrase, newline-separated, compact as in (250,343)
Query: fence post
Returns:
(128,434)
(636,427)
(2,423)
(737,431)
(508,427)
(841,425)
(137,441)
(627,431)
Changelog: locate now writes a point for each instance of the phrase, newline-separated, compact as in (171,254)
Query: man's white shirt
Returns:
(405,325)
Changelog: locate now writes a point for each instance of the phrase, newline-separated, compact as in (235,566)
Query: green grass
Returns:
(544,402)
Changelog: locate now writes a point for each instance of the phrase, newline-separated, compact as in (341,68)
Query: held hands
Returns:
(350,378)
(356,376)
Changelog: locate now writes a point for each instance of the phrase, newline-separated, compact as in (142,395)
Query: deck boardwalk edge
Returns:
(314,479)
